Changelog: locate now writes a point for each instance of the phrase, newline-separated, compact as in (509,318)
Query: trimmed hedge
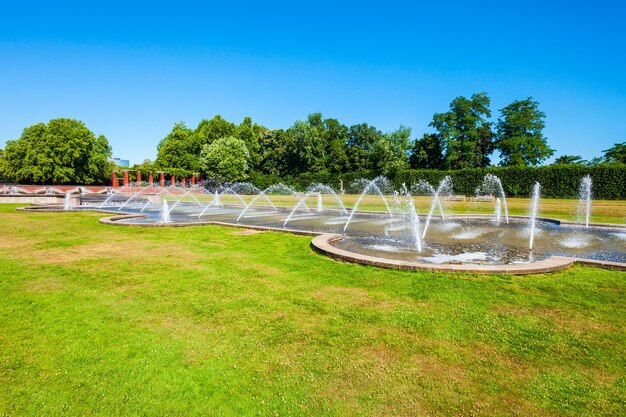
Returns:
(557,181)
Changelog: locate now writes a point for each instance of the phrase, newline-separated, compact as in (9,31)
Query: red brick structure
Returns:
(114,180)
(138,178)
(182,182)
(125,178)
(150,180)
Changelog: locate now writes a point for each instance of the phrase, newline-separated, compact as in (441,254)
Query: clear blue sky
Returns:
(131,70)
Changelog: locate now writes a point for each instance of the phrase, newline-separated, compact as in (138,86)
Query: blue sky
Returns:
(130,71)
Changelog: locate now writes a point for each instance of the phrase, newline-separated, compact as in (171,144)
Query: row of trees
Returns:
(463,138)
(66,151)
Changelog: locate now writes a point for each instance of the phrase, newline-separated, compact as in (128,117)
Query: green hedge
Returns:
(557,181)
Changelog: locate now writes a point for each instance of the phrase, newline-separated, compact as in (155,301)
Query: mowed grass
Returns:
(603,211)
(102,320)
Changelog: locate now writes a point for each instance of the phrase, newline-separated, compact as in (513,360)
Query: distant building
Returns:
(122,162)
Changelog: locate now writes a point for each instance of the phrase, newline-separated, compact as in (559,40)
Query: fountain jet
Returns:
(534,207)
(584,200)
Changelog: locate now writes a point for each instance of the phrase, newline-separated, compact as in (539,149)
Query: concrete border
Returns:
(323,244)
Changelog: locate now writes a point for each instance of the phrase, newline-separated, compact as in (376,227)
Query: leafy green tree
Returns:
(179,150)
(520,137)
(465,132)
(273,152)
(617,153)
(390,152)
(569,160)
(251,133)
(226,159)
(305,146)
(64,151)
(208,131)
(335,137)
(361,143)
(427,153)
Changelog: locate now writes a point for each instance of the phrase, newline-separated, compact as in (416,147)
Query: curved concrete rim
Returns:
(323,243)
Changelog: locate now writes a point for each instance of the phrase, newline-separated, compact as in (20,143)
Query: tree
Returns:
(391,151)
(569,160)
(617,153)
(427,153)
(361,142)
(208,131)
(273,152)
(520,137)
(178,150)
(305,146)
(226,159)
(64,151)
(465,133)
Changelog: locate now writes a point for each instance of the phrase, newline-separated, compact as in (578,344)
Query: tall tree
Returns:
(465,132)
(226,159)
(427,153)
(362,140)
(520,137)
(63,151)
(211,130)
(569,160)
(179,149)
(617,153)
(305,145)
(391,151)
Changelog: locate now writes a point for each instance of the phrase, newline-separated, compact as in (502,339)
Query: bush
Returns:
(557,181)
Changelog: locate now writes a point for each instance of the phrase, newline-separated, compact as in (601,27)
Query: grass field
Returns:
(603,211)
(101,320)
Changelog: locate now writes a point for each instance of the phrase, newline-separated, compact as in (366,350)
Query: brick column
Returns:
(150,180)
(193,179)
(162,179)
(173,180)
(114,181)
(125,178)
(138,178)
(182,182)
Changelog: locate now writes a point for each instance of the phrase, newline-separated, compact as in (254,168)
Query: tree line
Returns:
(66,151)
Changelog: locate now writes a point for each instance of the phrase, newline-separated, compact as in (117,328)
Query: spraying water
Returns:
(165,212)
(325,189)
(584,200)
(67,202)
(371,186)
(444,187)
(281,188)
(493,186)
(534,207)
(300,203)
(415,225)
(497,212)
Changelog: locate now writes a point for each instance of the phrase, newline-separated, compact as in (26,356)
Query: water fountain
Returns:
(493,186)
(67,201)
(497,212)
(398,232)
(444,188)
(370,186)
(584,200)
(165,212)
(532,218)
(281,188)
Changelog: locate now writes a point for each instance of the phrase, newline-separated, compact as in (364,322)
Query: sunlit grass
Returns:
(100,320)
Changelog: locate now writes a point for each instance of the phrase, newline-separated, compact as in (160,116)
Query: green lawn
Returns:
(101,320)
